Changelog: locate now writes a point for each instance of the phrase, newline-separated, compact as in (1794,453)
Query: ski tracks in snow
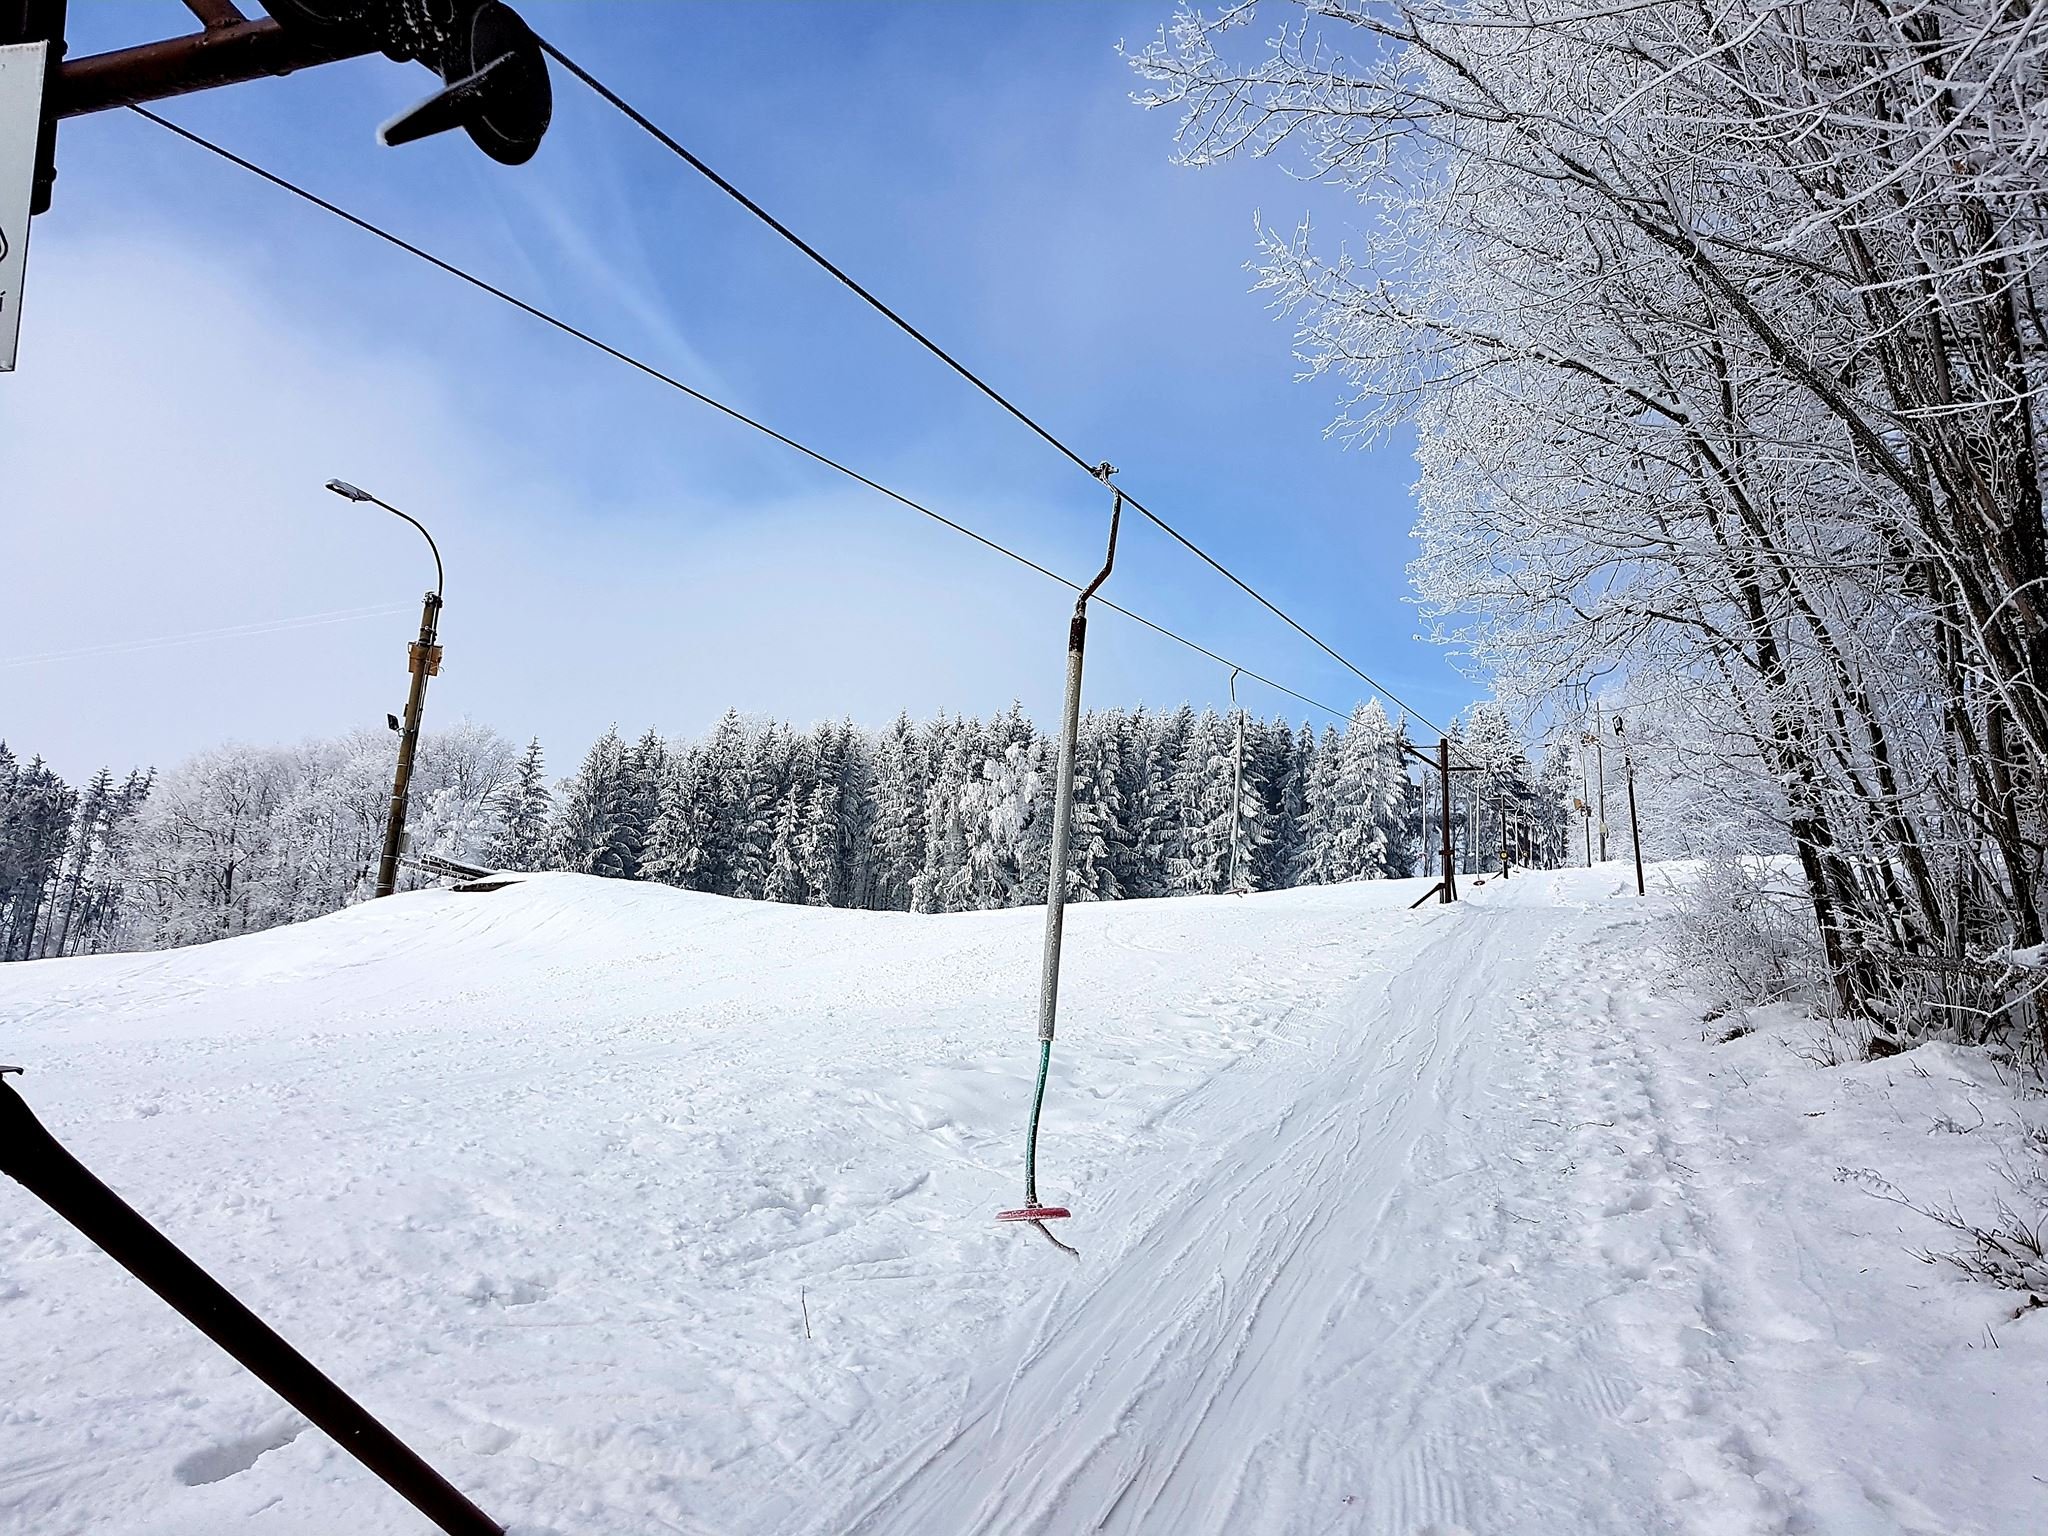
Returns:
(1423,1263)
(1392,1223)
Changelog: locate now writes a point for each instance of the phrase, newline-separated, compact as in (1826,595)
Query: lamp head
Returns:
(343,488)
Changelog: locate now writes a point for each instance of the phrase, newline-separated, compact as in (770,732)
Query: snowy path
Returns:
(1182,1382)
(1396,1224)
(1368,1297)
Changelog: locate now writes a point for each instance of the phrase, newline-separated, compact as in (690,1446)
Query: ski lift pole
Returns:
(1421,802)
(1056,882)
(1446,888)
(1502,796)
(1236,782)
(39,1163)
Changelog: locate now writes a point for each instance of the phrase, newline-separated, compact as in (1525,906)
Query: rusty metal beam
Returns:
(221,55)
(215,13)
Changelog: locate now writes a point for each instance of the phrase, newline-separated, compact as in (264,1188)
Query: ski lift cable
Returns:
(732,412)
(249,630)
(641,120)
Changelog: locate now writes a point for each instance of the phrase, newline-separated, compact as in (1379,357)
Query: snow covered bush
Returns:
(1744,935)
(2009,1248)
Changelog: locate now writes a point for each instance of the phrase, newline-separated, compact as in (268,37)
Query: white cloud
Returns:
(165,446)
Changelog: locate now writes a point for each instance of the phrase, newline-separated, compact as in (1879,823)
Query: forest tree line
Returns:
(951,814)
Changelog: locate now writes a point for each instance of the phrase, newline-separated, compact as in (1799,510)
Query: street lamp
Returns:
(423,660)
(1635,832)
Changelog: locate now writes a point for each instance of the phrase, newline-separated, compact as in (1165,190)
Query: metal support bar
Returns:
(216,13)
(1448,890)
(33,1157)
(1635,834)
(1063,803)
(226,53)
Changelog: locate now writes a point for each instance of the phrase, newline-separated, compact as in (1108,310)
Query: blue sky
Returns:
(201,352)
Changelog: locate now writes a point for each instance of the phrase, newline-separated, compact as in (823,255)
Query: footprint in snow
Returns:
(1640,1199)
(483,1290)
(219,1462)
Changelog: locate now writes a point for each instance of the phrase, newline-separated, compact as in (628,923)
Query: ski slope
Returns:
(642,1211)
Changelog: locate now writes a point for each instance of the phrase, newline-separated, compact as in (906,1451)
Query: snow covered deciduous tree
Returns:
(1721,336)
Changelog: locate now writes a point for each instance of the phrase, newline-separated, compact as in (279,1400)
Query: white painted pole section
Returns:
(21,122)
(1236,784)
(1062,828)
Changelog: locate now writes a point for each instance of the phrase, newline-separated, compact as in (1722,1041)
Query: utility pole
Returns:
(1635,835)
(423,660)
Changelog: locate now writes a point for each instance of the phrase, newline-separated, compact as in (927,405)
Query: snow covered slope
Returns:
(636,1210)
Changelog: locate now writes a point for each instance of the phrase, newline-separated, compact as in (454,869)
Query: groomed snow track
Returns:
(1345,1303)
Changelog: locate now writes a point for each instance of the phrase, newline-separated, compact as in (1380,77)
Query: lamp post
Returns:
(423,661)
(1635,833)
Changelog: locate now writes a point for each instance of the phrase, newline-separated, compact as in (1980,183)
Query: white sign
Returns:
(21,120)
